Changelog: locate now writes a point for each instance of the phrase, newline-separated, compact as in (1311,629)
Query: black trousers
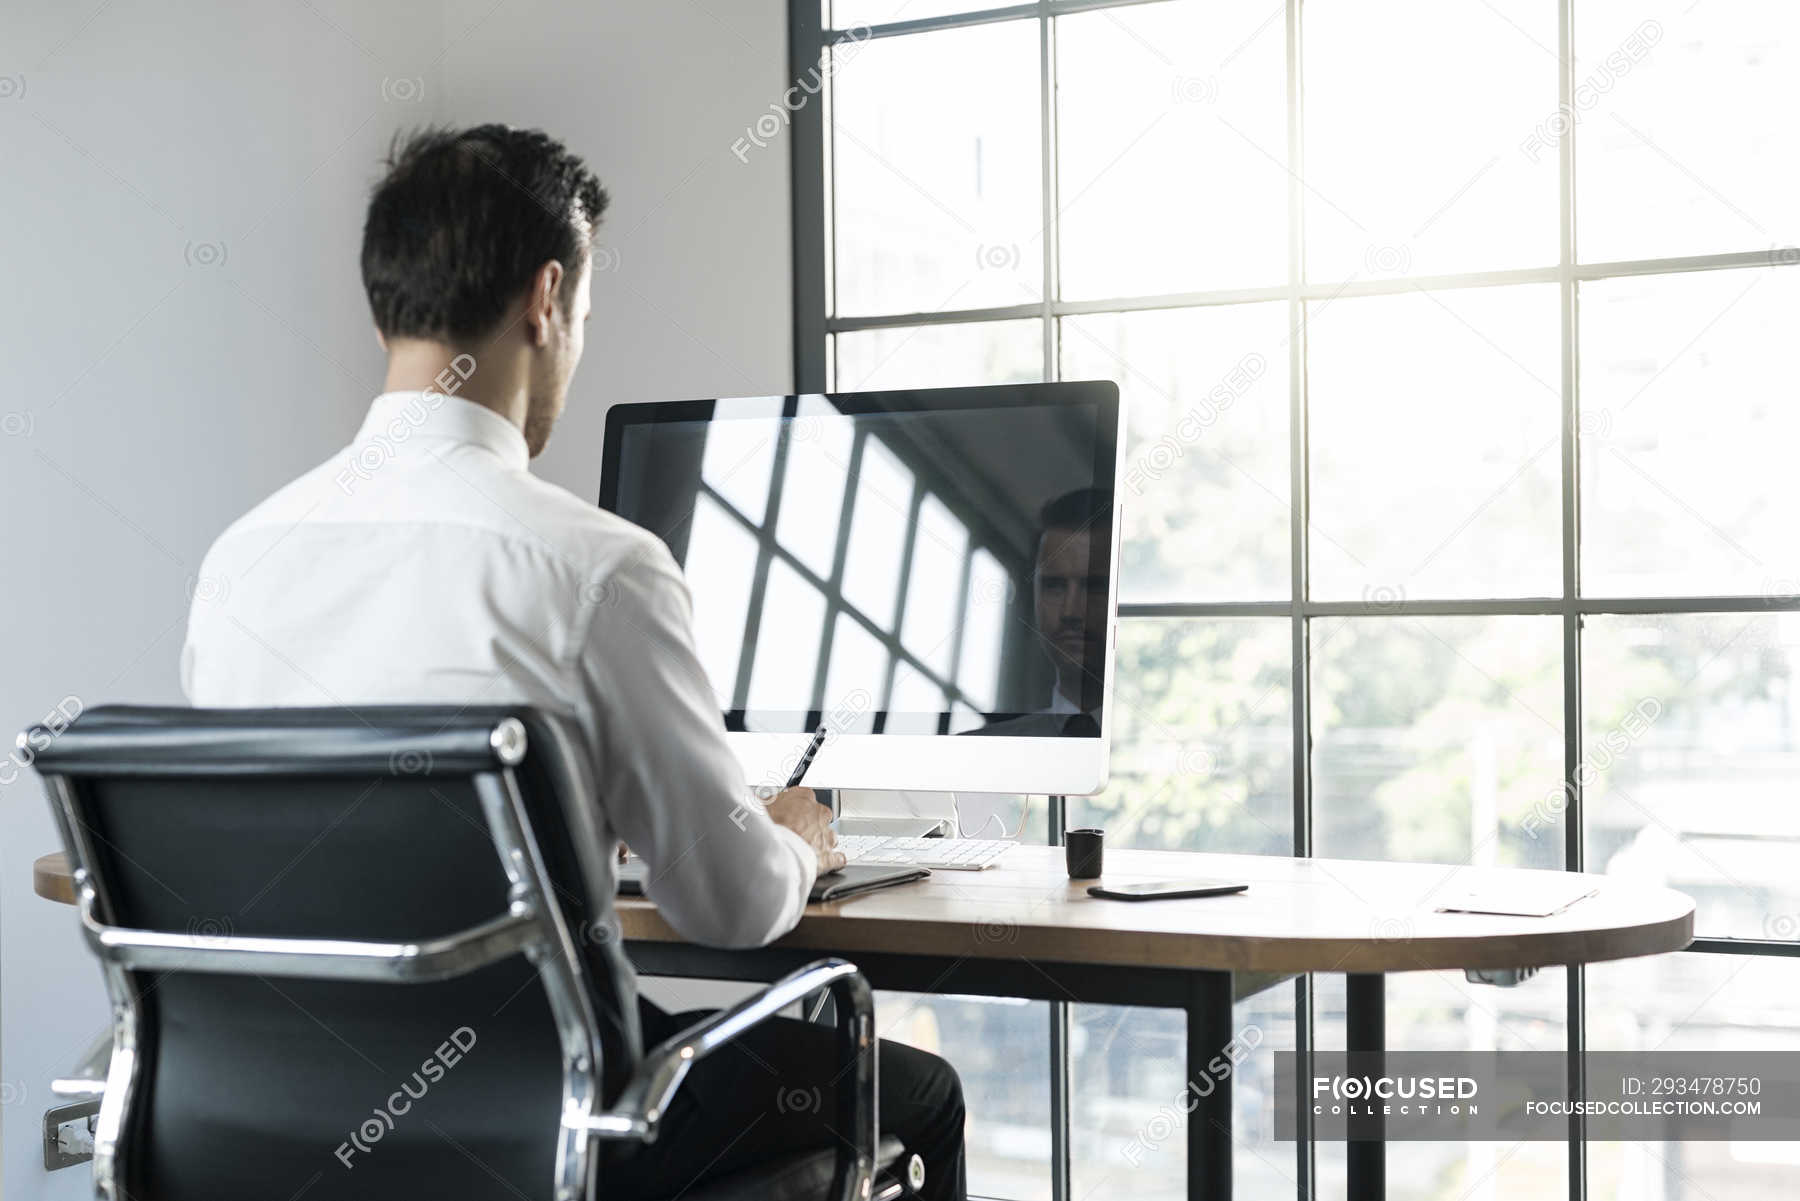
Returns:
(771,1093)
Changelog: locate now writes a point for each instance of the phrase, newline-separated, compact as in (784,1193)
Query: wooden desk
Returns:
(50,878)
(1023,929)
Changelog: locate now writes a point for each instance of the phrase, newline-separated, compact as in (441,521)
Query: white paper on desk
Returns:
(1530,897)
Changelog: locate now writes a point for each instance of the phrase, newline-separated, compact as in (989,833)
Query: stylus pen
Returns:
(806,758)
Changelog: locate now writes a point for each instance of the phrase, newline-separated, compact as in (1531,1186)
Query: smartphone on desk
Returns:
(1166,890)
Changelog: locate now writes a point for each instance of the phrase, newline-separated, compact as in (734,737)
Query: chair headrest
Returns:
(143,740)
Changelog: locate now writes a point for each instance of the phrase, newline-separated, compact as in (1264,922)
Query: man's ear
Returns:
(381,339)
(540,302)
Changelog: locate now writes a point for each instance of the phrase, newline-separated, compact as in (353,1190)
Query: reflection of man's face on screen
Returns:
(1070,592)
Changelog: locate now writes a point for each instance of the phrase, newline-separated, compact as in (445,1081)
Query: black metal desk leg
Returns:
(1365,1018)
(1209,1071)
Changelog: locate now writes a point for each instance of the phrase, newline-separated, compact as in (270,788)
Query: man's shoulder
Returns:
(285,508)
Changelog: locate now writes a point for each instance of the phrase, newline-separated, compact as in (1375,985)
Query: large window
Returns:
(1459,496)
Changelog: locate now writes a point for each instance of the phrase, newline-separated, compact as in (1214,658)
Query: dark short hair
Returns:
(1081,509)
(462,221)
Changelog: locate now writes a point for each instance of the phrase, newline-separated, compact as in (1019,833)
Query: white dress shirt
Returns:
(425,564)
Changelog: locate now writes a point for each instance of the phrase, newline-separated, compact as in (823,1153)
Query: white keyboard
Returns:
(946,854)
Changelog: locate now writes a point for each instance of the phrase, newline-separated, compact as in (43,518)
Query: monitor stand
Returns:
(924,810)
(895,827)
(954,815)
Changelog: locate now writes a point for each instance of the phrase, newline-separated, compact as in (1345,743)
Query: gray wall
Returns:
(183,329)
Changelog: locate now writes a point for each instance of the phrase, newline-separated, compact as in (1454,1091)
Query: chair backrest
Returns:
(351,954)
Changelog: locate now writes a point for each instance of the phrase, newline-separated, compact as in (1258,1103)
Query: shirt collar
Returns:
(396,416)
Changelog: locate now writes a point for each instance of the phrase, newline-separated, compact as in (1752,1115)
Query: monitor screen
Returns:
(922,562)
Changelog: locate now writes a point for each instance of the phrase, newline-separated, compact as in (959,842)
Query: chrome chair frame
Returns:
(533,926)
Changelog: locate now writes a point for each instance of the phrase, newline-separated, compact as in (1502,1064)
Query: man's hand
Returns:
(799,810)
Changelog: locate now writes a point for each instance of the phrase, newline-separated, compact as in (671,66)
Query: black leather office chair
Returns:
(372,955)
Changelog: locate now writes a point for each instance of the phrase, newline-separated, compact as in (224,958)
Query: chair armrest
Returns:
(646,1096)
(88,1079)
(427,960)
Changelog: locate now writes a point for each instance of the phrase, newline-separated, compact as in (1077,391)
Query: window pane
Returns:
(719,612)
(933,586)
(884,490)
(1694,1003)
(935,151)
(941,356)
(1415,114)
(1128,1125)
(1172,145)
(1688,425)
(1001,1049)
(1206,467)
(1442,1011)
(1683,127)
(1690,762)
(1202,755)
(812,486)
(787,648)
(1437,739)
(1435,445)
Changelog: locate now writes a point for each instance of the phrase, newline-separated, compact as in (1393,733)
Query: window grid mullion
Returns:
(1779,258)
(1574,859)
(1050,191)
(1300,647)
(1060,1028)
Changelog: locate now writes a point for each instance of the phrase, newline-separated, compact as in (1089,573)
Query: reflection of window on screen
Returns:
(984,630)
(883,496)
(858,665)
(720,607)
(835,580)
(739,455)
(787,646)
(939,547)
(963,719)
(915,703)
(812,488)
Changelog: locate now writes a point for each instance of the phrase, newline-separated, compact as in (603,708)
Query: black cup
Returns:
(1085,850)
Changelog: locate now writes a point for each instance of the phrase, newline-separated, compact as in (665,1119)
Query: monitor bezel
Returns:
(926,762)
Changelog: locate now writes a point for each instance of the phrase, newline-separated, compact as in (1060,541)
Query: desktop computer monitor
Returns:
(930,574)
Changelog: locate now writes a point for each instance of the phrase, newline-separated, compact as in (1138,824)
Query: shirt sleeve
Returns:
(721,872)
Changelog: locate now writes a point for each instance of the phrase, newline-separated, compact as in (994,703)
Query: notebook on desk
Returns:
(846,882)
(1542,895)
